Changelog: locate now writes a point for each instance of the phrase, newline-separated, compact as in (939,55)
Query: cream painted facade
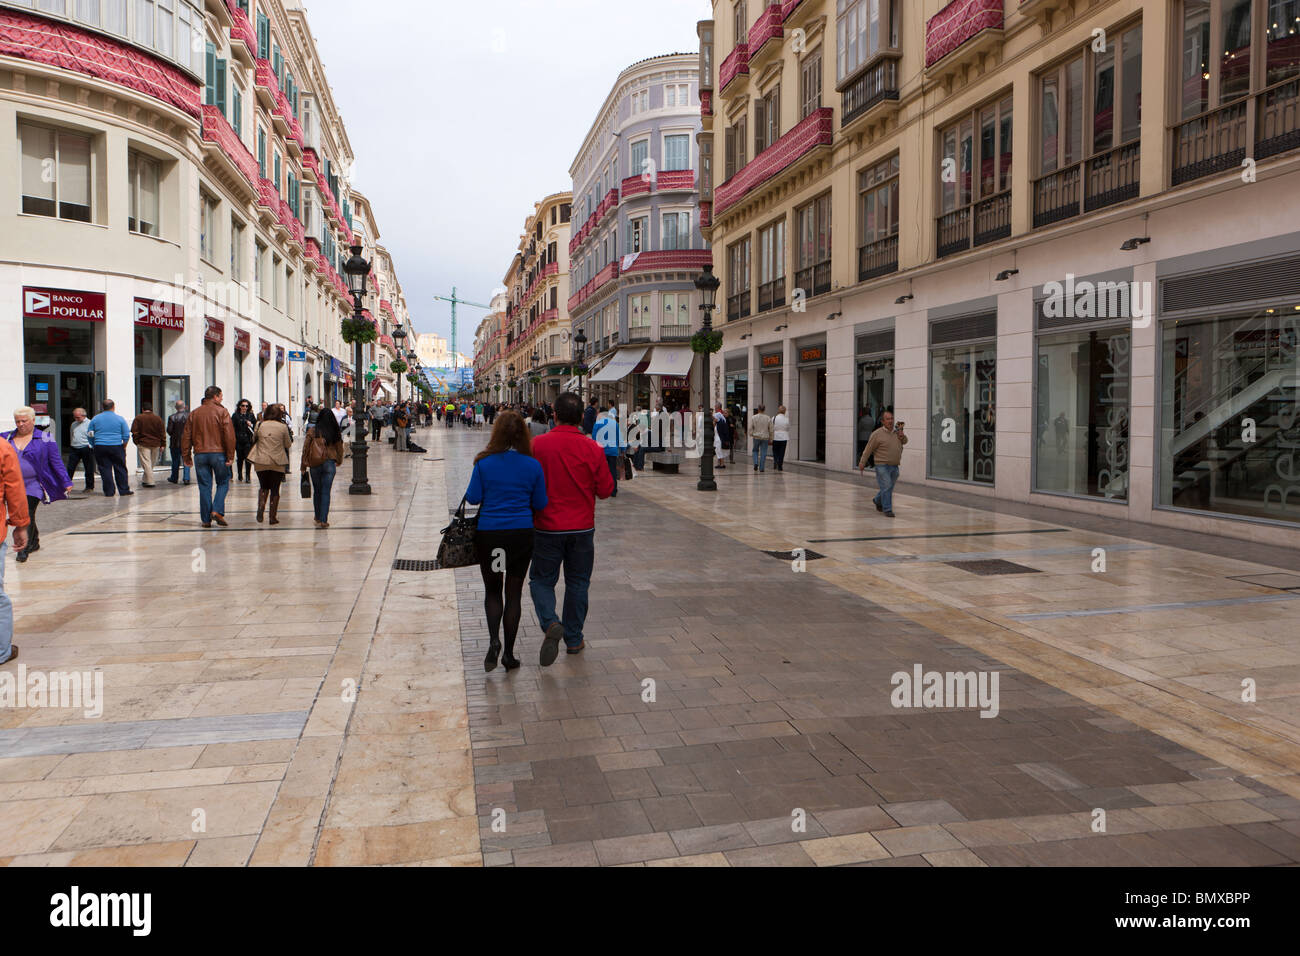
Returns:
(250,214)
(855,321)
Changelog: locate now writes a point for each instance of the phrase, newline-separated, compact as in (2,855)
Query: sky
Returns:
(464,114)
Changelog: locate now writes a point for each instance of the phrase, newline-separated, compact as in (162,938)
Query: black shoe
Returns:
(889,514)
(879,506)
(173,481)
(575,650)
(126,494)
(21,557)
(494,651)
(510,662)
(551,644)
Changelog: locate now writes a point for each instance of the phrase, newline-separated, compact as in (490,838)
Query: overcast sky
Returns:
(463,114)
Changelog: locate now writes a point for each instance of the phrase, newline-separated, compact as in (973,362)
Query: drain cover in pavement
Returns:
(992,566)
(791,555)
(403,564)
(1276,579)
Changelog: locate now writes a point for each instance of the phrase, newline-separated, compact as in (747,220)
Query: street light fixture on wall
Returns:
(707,284)
(357,269)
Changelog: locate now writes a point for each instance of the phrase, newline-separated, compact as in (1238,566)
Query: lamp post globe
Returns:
(357,270)
(707,284)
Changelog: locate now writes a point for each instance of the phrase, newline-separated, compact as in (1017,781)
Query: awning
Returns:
(381,386)
(675,360)
(620,365)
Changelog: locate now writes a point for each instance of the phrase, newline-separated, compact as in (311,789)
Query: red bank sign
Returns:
(64,304)
(154,314)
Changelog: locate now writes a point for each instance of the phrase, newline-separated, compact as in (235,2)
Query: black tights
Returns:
(498,608)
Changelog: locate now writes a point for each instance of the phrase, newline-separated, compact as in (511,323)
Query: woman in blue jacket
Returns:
(508,484)
(43,471)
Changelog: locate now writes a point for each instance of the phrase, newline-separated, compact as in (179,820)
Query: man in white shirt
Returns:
(780,437)
(79,451)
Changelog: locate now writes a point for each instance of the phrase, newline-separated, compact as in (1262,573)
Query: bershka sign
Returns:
(64,304)
(156,314)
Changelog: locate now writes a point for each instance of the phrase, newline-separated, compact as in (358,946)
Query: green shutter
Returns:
(221,86)
(277,172)
(210,83)
(237,112)
(261,153)
(263,36)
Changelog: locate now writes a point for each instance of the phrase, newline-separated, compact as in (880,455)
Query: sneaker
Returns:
(551,644)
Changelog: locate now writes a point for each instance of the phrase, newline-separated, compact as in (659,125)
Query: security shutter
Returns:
(875,343)
(966,328)
(1239,285)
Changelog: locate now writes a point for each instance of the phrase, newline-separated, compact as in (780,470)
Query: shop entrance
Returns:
(53,393)
(812,413)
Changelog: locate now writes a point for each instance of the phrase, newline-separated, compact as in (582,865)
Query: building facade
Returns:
(534,356)
(179,209)
(1059,243)
(637,247)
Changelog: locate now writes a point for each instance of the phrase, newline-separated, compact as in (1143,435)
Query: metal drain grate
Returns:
(791,555)
(992,566)
(402,564)
(1273,579)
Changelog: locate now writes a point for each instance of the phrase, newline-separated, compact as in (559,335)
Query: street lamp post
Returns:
(531,375)
(399,337)
(708,284)
(579,355)
(357,269)
(511,383)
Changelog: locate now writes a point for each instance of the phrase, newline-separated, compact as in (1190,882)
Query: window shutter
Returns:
(263,36)
(730,152)
(237,112)
(277,172)
(210,81)
(760,125)
(261,153)
(221,86)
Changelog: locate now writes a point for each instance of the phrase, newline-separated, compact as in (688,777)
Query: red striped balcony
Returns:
(736,64)
(311,252)
(386,306)
(268,196)
(958,24)
(670,260)
(290,222)
(706,214)
(241,32)
(673,179)
(706,102)
(767,27)
(310,166)
(265,83)
(610,203)
(217,130)
(789,7)
(636,185)
(817,130)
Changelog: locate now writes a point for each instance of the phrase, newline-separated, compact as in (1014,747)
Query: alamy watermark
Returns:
(58,690)
(949,690)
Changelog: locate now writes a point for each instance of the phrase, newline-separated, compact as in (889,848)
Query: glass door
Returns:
(173,388)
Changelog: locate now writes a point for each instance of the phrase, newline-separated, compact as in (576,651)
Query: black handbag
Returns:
(626,462)
(305,484)
(457,548)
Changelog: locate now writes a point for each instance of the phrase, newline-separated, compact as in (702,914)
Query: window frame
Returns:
(58,133)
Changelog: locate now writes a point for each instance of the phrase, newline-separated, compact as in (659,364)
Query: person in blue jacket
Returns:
(508,484)
(610,436)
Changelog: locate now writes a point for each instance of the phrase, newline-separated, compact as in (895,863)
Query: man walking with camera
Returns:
(886,446)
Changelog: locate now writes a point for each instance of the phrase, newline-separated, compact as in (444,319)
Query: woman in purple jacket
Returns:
(44,474)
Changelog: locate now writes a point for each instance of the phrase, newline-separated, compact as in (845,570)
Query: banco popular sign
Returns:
(156,314)
(64,304)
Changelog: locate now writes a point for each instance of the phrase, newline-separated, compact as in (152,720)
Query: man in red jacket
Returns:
(13,514)
(565,530)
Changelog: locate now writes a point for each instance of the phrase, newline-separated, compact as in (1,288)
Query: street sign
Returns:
(297,356)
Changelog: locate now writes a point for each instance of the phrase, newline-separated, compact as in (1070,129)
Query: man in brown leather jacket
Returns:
(149,434)
(208,444)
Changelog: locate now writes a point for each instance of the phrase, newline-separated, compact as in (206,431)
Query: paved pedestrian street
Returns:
(287,696)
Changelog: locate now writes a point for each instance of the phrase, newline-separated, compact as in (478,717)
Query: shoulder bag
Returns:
(457,548)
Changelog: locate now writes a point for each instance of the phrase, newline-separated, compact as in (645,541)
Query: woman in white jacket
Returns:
(780,437)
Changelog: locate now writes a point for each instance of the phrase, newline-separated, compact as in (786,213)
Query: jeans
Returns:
(760,454)
(6,608)
(176,466)
(376,425)
(85,457)
(112,469)
(886,477)
(576,552)
(778,454)
(210,467)
(322,479)
(613,470)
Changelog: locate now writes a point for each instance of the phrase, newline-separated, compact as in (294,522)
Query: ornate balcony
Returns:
(706,102)
(636,185)
(960,31)
(984,222)
(268,197)
(771,295)
(738,306)
(228,152)
(1220,139)
(806,136)
(670,260)
(1109,178)
(265,83)
(814,280)
(243,38)
(736,64)
(767,27)
(706,214)
(675,179)
(310,166)
(788,8)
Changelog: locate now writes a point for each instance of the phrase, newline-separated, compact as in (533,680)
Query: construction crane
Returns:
(455,301)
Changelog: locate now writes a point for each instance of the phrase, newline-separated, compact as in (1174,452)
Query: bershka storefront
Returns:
(64,348)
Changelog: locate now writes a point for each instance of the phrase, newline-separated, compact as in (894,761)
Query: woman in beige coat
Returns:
(270,458)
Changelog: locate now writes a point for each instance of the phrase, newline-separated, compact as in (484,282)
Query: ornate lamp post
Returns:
(399,337)
(532,375)
(511,383)
(708,284)
(357,269)
(579,355)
